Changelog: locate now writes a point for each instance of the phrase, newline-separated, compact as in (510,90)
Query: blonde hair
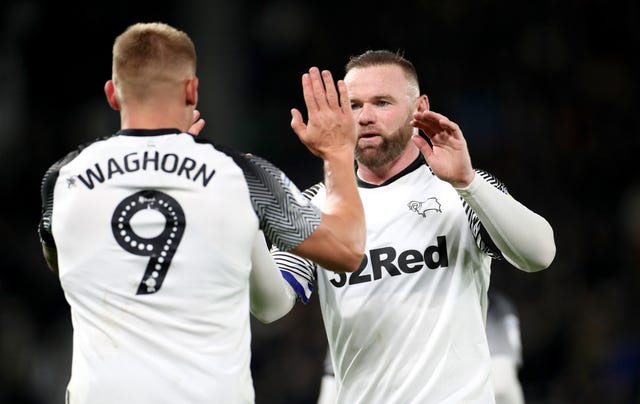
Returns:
(149,56)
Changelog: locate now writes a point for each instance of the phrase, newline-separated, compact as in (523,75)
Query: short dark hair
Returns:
(383,57)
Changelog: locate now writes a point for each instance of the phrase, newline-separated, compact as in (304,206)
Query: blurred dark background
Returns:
(546,93)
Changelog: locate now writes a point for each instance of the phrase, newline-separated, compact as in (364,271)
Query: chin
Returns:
(369,156)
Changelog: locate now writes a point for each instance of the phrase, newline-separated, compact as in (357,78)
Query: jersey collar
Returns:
(417,163)
(147,132)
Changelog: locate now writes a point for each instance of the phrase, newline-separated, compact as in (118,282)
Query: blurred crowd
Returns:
(546,93)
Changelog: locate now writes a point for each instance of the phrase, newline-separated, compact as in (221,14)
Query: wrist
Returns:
(466,183)
(339,155)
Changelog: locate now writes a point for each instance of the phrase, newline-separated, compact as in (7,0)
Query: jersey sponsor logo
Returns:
(148,161)
(424,207)
(395,263)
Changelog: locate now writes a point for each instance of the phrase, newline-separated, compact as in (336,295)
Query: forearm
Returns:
(270,295)
(524,237)
(343,204)
(339,240)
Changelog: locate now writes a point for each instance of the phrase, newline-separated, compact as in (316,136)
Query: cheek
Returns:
(397,120)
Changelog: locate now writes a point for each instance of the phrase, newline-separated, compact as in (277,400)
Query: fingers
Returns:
(308,94)
(319,91)
(297,124)
(432,123)
(197,126)
(322,96)
(330,124)
(330,89)
(198,123)
(428,127)
(423,145)
(345,103)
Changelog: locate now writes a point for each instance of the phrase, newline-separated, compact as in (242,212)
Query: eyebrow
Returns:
(377,98)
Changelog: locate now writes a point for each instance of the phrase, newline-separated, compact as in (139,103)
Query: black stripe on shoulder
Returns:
(47,187)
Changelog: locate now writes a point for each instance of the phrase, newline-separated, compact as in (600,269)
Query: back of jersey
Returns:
(154,233)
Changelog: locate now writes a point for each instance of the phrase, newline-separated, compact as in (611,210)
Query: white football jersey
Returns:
(409,325)
(154,231)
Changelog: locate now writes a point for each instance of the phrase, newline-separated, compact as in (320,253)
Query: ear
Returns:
(423,103)
(192,92)
(110,92)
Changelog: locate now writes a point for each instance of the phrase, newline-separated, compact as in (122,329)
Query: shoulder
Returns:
(254,167)
(235,154)
(52,172)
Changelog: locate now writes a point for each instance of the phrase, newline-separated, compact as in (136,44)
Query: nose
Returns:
(366,115)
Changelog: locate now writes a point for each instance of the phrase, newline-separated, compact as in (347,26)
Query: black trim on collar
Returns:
(148,132)
(417,163)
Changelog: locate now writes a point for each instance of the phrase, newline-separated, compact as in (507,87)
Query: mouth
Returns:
(368,135)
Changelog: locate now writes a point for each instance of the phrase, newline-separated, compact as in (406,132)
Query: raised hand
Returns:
(448,155)
(330,133)
(330,125)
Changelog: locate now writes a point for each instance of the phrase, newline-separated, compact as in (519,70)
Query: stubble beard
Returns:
(387,151)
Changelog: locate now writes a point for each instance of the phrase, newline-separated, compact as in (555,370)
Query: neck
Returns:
(379,175)
(156,117)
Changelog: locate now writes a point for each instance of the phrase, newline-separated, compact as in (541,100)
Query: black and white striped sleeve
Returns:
(286,217)
(501,223)
(46,192)
(483,240)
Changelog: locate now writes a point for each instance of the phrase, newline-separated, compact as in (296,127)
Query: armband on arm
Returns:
(270,295)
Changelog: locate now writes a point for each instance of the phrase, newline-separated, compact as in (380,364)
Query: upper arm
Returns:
(45,226)
(291,221)
(286,217)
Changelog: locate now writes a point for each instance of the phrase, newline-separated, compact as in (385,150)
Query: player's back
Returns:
(153,232)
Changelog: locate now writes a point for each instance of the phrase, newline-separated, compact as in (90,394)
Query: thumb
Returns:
(297,124)
(423,145)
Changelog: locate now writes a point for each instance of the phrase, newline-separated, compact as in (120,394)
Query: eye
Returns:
(355,106)
(382,103)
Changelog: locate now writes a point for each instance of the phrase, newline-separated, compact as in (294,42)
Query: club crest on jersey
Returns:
(422,208)
(297,195)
